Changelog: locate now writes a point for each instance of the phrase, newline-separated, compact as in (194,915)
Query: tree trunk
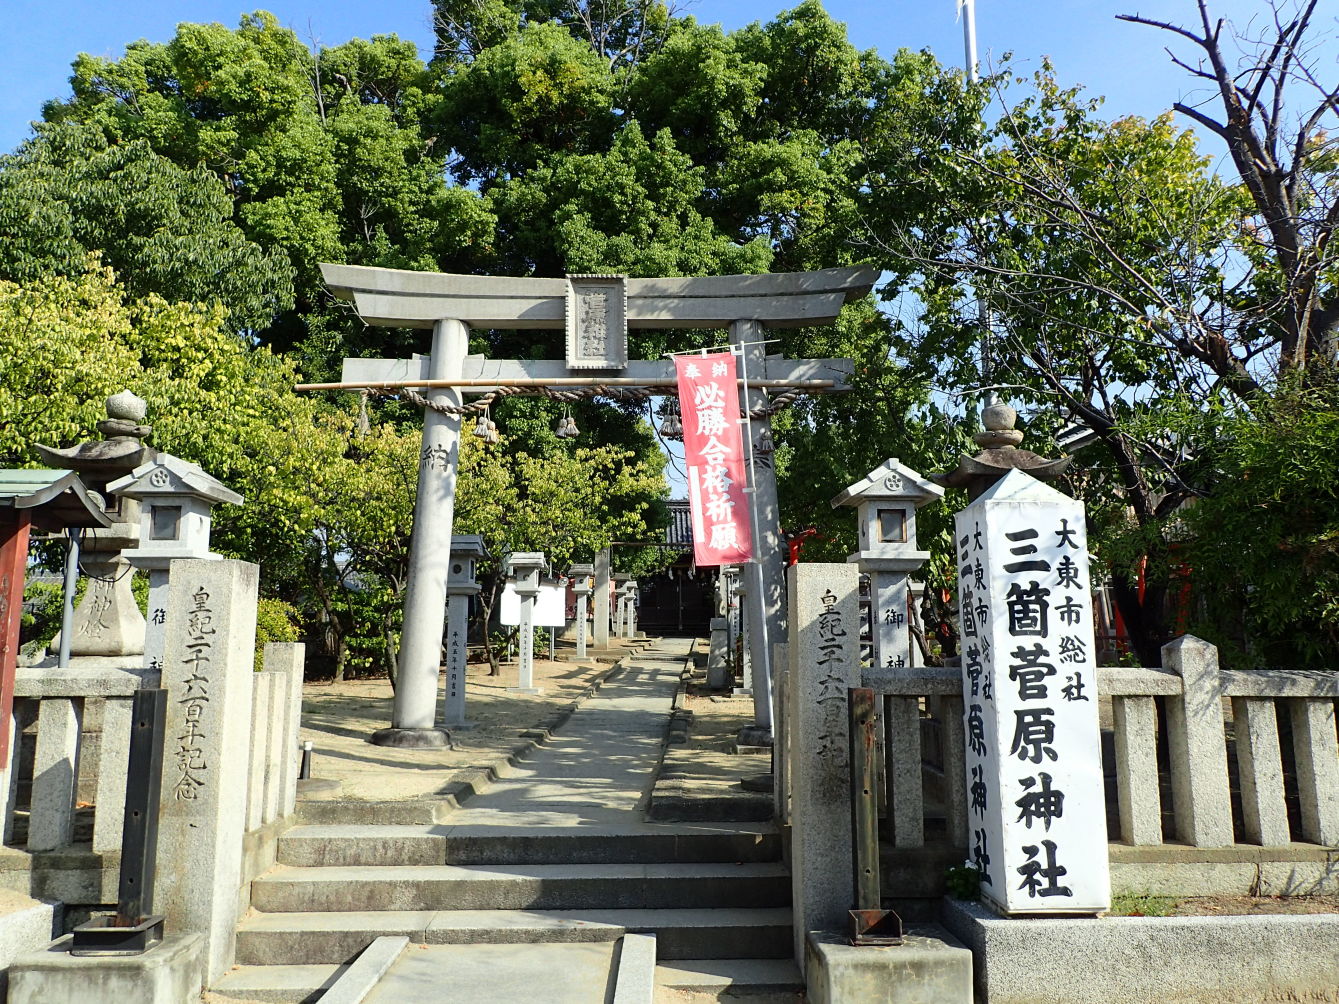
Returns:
(1145,619)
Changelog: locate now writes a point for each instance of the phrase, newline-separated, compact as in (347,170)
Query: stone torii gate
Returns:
(596,311)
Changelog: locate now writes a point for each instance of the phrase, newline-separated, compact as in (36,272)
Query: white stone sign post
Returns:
(208,672)
(581,586)
(461,584)
(1036,806)
(525,567)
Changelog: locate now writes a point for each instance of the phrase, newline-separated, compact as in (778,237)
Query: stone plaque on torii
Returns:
(596,311)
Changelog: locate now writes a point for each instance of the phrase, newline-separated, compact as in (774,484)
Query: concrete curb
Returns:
(366,971)
(1141,960)
(636,979)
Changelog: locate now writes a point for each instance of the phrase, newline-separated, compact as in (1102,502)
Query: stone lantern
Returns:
(886,500)
(175,500)
(107,621)
(581,586)
(524,567)
(467,550)
(629,595)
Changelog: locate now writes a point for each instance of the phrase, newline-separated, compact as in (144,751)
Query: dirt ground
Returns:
(1222,906)
(339,717)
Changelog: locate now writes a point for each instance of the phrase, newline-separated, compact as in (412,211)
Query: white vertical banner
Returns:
(1036,804)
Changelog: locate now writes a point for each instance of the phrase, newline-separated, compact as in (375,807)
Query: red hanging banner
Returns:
(714,453)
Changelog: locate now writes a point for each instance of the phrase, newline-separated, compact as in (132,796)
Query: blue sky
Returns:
(1121,61)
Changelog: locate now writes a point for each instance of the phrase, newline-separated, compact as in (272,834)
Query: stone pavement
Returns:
(599,768)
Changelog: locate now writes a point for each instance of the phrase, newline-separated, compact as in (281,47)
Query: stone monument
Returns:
(1037,811)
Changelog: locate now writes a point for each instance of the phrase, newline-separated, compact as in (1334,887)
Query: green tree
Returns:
(165,229)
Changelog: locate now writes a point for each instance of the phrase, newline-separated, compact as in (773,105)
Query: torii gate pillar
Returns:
(413,718)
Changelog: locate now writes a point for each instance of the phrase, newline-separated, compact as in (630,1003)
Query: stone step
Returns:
(350,845)
(268,939)
(520,887)
(730,979)
(274,984)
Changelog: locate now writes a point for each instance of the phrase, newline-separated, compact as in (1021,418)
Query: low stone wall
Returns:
(1133,960)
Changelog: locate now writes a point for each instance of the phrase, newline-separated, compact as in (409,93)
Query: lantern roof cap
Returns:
(891,480)
(468,545)
(169,475)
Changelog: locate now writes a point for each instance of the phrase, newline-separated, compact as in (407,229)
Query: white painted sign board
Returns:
(1036,806)
(550,608)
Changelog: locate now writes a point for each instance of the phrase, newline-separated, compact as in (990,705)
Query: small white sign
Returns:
(550,608)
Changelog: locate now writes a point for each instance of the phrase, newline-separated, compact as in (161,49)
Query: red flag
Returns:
(714,453)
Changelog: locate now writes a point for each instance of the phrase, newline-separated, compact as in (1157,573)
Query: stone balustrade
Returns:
(61,760)
(1188,730)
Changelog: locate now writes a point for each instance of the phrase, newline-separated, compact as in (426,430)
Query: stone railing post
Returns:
(1198,745)
(286,659)
(113,768)
(824,650)
(1134,721)
(1317,768)
(1264,812)
(208,672)
(55,773)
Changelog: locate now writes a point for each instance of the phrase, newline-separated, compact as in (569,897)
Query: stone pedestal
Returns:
(824,651)
(208,673)
(168,973)
(107,620)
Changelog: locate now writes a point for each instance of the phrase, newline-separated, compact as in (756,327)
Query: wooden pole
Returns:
(538,382)
(14,525)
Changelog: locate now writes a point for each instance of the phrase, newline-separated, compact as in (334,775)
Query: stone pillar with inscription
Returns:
(601,617)
(413,718)
(581,578)
(208,671)
(824,653)
(461,584)
(1033,769)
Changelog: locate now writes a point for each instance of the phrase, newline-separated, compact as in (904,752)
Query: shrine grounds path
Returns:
(338,717)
